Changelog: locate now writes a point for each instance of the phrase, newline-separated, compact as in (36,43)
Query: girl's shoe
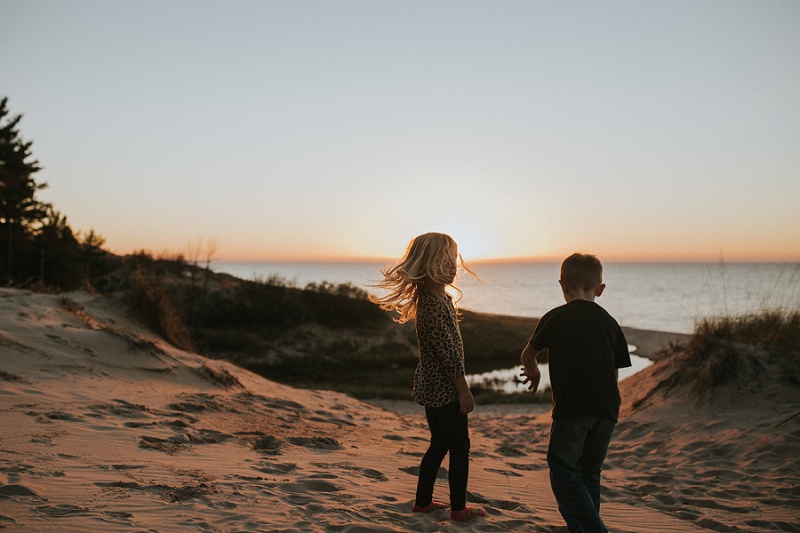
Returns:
(433,506)
(467,514)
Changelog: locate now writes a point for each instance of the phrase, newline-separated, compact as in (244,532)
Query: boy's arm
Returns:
(530,368)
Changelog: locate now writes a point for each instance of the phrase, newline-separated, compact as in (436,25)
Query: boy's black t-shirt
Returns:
(586,346)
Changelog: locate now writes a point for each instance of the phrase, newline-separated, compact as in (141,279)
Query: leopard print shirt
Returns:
(441,351)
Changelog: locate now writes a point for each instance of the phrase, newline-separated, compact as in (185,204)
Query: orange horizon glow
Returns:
(222,255)
(512,260)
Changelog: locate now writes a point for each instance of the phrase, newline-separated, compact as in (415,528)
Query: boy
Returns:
(585,346)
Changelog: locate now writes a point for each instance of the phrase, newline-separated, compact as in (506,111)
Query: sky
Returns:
(334,130)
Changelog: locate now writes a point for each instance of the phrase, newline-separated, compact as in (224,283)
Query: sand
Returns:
(105,427)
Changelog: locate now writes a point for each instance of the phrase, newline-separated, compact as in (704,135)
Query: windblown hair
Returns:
(582,271)
(429,257)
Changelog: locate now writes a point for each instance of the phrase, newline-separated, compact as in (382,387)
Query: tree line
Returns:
(39,248)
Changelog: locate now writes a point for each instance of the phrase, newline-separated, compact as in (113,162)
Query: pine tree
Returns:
(20,211)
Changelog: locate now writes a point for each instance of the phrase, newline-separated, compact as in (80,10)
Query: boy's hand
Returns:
(533,380)
(530,368)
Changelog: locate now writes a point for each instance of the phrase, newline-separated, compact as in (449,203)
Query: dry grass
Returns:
(723,347)
(150,303)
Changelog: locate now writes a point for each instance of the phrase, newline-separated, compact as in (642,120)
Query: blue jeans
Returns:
(449,433)
(577,449)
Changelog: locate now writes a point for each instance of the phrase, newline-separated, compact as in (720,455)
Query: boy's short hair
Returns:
(582,272)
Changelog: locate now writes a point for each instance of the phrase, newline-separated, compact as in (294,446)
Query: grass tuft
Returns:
(150,303)
(723,347)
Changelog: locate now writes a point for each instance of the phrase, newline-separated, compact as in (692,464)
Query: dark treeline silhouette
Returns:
(39,247)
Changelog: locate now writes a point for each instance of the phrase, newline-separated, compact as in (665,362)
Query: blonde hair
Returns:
(429,257)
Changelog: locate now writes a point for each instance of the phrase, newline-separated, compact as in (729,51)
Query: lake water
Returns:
(508,379)
(658,296)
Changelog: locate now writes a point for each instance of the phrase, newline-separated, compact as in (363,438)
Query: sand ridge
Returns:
(105,427)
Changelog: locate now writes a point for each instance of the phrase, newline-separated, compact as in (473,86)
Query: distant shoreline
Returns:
(670,297)
(650,344)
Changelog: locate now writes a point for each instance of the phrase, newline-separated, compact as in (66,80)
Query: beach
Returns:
(107,427)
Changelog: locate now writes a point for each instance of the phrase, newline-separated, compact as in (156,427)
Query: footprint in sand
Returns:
(304,485)
(197,403)
(414,471)
(46,418)
(509,451)
(366,472)
(298,499)
(266,444)
(45,439)
(170,494)
(163,445)
(531,467)
(206,436)
(505,505)
(17,491)
(121,408)
(187,492)
(276,468)
(54,511)
(322,443)
(328,418)
(272,403)
(127,467)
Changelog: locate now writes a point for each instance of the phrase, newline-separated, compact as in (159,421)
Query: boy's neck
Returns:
(587,295)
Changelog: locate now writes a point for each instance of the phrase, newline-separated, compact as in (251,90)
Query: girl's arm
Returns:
(446,346)
(466,401)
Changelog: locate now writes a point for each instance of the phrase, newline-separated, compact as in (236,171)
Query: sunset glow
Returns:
(337,131)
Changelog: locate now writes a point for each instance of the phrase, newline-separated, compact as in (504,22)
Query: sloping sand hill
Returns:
(105,427)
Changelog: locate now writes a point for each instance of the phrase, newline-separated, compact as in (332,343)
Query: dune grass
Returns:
(723,347)
(150,302)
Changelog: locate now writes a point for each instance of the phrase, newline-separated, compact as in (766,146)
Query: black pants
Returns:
(449,433)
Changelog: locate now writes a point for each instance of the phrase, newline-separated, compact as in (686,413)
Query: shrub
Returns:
(150,303)
(273,305)
(721,346)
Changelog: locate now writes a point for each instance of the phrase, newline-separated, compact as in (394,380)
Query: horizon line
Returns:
(510,260)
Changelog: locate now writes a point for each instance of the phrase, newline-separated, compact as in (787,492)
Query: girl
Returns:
(416,290)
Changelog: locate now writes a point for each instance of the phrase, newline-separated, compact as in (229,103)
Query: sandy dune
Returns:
(107,428)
